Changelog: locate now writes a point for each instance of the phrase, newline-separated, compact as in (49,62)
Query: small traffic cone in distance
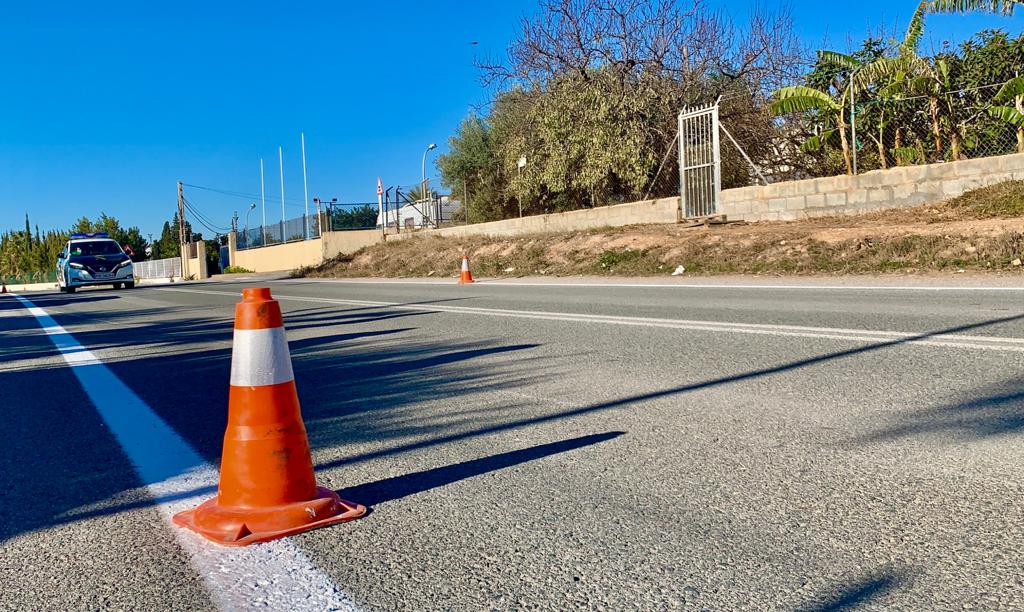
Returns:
(5,287)
(267,488)
(466,276)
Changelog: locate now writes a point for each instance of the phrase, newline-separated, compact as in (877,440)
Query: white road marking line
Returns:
(990,343)
(504,283)
(276,575)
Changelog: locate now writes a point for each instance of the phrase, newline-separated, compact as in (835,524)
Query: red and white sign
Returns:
(380,187)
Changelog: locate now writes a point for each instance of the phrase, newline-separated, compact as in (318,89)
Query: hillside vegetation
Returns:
(982,230)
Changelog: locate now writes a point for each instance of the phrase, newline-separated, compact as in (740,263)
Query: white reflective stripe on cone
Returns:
(260,357)
(465,264)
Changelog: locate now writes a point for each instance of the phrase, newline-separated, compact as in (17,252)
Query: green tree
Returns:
(130,237)
(356,217)
(471,169)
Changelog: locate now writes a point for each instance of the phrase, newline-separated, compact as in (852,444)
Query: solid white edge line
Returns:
(993,343)
(503,283)
(275,575)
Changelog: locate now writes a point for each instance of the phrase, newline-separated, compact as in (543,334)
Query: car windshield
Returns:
(95,247)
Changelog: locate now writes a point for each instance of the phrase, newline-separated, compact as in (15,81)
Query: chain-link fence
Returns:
(289,230)
(872,134)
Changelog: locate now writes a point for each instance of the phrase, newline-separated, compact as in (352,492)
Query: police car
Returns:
(93,259)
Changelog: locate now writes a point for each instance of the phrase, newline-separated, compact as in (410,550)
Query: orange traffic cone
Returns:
(466,277)
(267,489)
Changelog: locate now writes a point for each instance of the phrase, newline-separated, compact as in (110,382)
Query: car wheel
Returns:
(118,285)
(70,289)
(130,285)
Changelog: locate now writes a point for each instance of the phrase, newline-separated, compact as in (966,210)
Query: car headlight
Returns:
(76,266)
(123,264)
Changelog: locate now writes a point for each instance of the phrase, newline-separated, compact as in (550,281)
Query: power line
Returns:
(240,194)
(203,219)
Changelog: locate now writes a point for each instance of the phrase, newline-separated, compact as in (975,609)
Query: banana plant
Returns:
(801,98)
(909,75)
(1012,92)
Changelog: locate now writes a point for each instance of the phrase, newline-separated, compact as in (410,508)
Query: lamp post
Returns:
(521,164)
(423,172)
(252,207)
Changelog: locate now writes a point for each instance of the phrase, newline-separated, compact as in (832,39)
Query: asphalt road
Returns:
(550,446)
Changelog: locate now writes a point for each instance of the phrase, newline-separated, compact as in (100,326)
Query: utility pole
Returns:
(181,230)
(465,196)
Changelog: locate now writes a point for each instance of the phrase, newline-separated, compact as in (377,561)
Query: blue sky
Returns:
(105,106)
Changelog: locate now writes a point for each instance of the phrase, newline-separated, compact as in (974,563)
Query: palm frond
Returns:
(1008,114)
(812,144)
(842,60)
(1010,90)
(800,98)
(819,141)
(916,29)
(891,68)
(999,7)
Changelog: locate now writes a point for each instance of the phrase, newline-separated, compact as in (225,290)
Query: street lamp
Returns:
(521,164)
(423,171)
(252,207)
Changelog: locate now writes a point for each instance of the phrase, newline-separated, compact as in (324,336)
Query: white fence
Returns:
(158,268)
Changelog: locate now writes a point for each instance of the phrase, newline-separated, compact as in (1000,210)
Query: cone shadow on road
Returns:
(390,489)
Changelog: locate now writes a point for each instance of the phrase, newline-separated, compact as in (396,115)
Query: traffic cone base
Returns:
(239,526)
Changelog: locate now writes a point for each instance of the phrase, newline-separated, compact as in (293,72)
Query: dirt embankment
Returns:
(982,230)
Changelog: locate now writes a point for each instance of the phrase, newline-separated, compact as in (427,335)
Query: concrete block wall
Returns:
(664,210)
(337,243)
(281,257)
(292,255)
(900,187)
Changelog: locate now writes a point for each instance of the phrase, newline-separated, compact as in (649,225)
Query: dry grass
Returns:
(978,231)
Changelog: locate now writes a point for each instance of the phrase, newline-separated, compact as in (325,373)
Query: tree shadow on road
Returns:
(996,410)
(860,592)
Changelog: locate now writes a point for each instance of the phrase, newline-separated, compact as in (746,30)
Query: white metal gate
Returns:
(158,268)
(700,176)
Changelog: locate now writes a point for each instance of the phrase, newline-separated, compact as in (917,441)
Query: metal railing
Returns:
(290,230)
